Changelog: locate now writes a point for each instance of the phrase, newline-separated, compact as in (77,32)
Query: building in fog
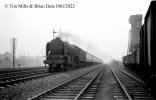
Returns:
(6,55)
(6,60)
(134,33)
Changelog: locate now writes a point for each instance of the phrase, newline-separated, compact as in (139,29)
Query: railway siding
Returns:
(26,90)
(128,87)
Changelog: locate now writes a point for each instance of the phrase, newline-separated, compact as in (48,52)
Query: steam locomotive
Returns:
(143,59)
(61,55)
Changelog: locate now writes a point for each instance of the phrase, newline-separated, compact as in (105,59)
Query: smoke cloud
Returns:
(88,45)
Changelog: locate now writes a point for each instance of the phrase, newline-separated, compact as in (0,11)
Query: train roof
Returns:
(151,9)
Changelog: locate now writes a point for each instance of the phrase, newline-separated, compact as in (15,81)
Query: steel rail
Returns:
(23,79)
(132,76)
(20,71)
(36,97)
(23,74)
(122,86)
(85,88)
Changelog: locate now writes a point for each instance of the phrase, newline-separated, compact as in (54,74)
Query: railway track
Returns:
(128,87)
(18,72)
(82,87)
(20,76)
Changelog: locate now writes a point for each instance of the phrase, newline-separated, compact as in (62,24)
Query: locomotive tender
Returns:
(143,59)
(61,55)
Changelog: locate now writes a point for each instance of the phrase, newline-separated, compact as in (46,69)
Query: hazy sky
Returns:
(101,27)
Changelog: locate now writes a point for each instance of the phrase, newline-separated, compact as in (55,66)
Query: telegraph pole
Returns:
(54,33)
(13,45)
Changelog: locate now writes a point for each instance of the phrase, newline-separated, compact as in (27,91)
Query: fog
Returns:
(99,27)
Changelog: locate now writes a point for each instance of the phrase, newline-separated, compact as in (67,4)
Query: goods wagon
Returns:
(144,56)
(148,47)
